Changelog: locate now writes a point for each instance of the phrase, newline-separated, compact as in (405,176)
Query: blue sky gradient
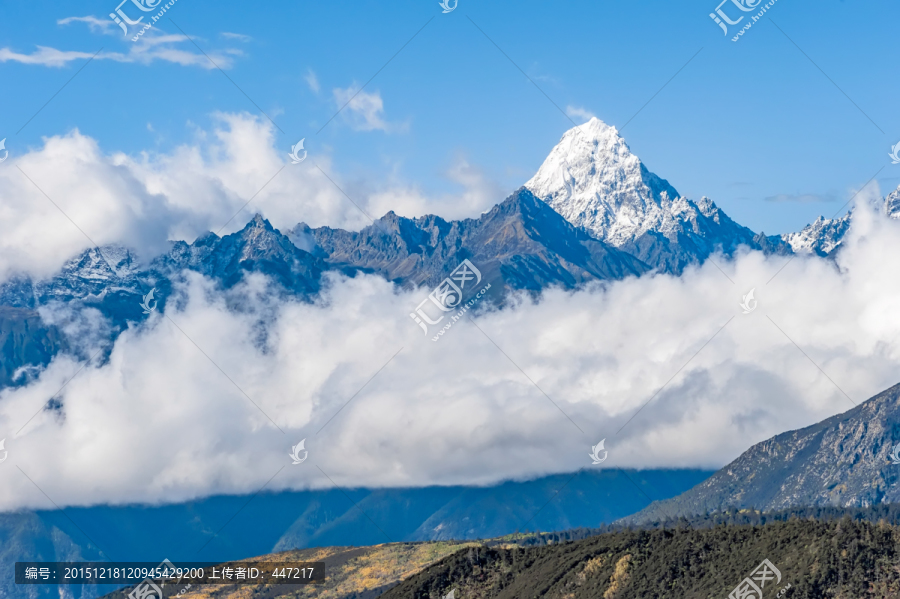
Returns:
(802,109)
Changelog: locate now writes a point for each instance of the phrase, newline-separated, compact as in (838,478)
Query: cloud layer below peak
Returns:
(668,370)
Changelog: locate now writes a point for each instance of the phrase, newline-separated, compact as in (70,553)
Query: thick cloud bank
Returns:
(161,422)
(56,200)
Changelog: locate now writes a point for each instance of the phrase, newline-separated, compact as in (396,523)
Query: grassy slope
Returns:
(353,573)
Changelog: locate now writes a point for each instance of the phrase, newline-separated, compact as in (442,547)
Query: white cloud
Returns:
(145,51)
(159,422)
(478,193)
(576,112)
(236,36)
(453,412)
(48,57)
(312,81)
(147,199)
(154,46)
(363,110)
(105,26)
(802,198)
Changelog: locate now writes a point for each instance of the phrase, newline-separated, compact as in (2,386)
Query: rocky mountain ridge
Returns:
(592,212)
(824,235)
(594,181)
(843,461)
(521,243)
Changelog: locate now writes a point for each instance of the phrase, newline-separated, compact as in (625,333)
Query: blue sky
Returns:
(742,122)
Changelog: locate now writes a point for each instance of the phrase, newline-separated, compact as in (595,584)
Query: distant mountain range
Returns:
(209,530)
(592,212)
(520,243)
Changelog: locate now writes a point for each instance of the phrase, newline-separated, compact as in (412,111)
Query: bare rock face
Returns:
(258,247)
(520,244)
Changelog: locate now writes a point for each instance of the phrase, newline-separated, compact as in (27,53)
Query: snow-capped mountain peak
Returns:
(892,204)
(592,178)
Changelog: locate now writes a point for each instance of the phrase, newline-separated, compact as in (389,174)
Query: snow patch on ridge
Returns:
(823,235)
(819,237)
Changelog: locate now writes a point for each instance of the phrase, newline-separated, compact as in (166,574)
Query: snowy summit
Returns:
(594,181)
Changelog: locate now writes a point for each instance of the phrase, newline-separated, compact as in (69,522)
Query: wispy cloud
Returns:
(48,57)
(803,198)
(577,112)
(146,51)
(533,74)
(312,81)
(236,36)
(104,26)
(154,46)
(363,110)
(475,193)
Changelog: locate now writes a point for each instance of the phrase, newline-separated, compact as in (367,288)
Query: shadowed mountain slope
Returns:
(842,461)
(520,242)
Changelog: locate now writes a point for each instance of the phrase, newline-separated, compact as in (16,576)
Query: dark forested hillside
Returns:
(842,558)
(885,513)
